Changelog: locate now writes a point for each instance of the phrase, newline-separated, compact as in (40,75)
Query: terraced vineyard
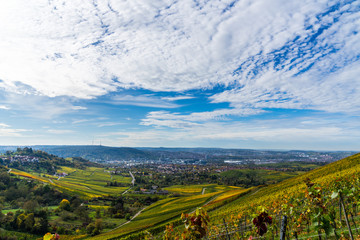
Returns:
(169,209)
(89,183)
(287,198)
(197,189)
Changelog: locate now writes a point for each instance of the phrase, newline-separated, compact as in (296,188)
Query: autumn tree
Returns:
(64,205)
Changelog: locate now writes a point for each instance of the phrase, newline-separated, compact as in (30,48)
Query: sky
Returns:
(254,74)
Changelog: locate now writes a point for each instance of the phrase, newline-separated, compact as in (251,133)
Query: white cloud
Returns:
(142,101)
(177,98)
(37,106)
(4,107)
(78,108)
(7,131)
(338,92)
(177,120)
(262,134)
(80,121)
(287,53)
(3,125)
(108,124)
(59,131)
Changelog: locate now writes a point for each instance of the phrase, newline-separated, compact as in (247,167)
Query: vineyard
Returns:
(197,189)
(170,209)
(322,204)
(88,183)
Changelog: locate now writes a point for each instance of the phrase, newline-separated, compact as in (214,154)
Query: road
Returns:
(132,182)
(126,190)
(137,214)
(133,178)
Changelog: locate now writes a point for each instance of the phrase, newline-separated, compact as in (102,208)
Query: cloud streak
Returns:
(3,107)
(143,101)
(7,131)
(265,134)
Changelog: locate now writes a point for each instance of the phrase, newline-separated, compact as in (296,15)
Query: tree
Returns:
(50,236)
(98,227)
(20,221)
(83,214)
(64,205)
(29,222)
(5,178)
(31,206)
(98,213)
(94,228)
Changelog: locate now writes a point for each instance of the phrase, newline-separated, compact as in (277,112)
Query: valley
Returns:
(93,201)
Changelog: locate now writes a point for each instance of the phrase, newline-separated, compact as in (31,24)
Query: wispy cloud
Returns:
(78,108)
(38,106)
(177,98)
(7,131)
(145,45)
(241,58)
(4,107)
(143,101)
(108,124)
(81,121)
(264,133)
(59,131)
(177,120)
(3,125)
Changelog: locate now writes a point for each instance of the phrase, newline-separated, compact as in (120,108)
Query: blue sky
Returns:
(235,74)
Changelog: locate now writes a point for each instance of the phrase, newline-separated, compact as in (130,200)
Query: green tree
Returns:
(98,213)
(20,221)
(29,222)
(30,206)
(83,214)
(98,227)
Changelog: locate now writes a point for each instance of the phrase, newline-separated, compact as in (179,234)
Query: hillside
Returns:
(27,159)
(301,204)
(287,197)
(339,169)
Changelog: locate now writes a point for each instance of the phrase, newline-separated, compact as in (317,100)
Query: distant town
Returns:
(127,157)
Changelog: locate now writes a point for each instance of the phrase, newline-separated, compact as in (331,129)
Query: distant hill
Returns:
(29,159)
(222,154)
(105,154)
(95,153)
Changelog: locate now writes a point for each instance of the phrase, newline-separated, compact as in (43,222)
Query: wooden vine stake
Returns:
(283,228)
(345,215)
(227,233)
